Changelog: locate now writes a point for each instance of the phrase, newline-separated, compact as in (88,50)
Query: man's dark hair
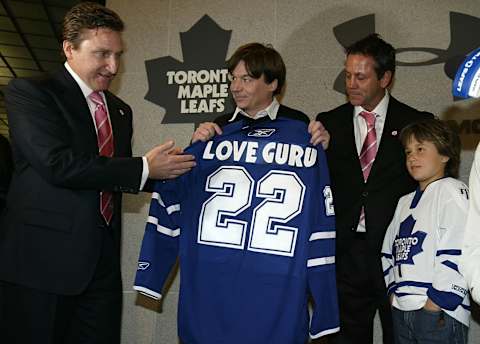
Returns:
(383,53)
(260,60)
(441,135)
(86,16)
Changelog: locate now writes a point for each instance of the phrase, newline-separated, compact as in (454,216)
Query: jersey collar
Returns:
(270,111)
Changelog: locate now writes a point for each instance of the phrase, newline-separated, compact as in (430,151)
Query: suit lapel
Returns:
(389,139)
(115,119)
(71,98)
(120,118)
(346,145)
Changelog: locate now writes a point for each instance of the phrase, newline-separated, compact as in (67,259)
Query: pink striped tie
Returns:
(368,152)
(105,148)
(369,148)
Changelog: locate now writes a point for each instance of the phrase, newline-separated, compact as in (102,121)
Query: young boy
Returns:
(422,246)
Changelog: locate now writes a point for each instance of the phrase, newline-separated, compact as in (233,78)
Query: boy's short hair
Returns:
(442,136)
(260,60)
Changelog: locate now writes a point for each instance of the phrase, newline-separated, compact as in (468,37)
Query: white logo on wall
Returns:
(203,91)
(194,90)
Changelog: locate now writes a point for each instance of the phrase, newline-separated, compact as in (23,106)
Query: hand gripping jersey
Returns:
(422,249)
(253,226)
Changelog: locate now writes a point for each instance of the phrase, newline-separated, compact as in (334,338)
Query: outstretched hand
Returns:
(166,161)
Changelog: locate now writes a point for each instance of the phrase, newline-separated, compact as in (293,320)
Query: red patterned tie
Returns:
(369,148)
(368,152)
(105,148)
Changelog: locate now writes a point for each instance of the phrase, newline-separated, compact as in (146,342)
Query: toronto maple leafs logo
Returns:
(462,42)
(264,132)
(406,244)
(195,90)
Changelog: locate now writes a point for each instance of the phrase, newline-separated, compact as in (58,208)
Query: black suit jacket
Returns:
(6,167)
(388,179)
(50,237)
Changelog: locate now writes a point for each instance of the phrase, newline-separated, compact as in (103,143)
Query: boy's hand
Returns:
(431,306)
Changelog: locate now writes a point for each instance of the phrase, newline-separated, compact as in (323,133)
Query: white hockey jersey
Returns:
(422,249)
(469,265)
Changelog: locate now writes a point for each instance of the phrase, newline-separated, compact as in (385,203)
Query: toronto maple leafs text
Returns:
(203,91)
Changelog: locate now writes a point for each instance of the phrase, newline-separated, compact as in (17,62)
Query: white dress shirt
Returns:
(360,125)
(360,130)
(91,105)
(270,111)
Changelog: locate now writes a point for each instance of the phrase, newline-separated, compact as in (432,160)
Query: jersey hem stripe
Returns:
(324,333)
(322,235)
(164,230)
(147,292)
(320,261)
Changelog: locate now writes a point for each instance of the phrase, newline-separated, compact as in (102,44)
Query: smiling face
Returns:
(361,81)
(250,94)
(97,57)
(424,163)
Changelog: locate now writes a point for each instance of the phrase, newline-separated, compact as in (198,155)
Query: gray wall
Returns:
(302,32)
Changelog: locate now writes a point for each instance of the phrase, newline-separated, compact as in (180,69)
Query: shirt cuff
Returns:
(145,173)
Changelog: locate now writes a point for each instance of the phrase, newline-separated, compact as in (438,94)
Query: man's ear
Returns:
(386,79)
(67,49)
(273,85)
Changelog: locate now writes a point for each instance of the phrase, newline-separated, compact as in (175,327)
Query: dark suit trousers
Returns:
(361,292)
(29,316)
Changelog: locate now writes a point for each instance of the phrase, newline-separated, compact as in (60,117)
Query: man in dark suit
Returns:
(60,236)
(366,192)
(6,167)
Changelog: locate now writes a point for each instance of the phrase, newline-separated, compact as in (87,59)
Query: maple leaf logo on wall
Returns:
(195,90)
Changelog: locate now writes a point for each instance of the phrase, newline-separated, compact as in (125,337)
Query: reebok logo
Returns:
(261,132)
(143,265)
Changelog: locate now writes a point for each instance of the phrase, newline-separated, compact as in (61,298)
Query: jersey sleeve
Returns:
(469,265)
(387,252)
(449,287)
(321,261)
(159,249)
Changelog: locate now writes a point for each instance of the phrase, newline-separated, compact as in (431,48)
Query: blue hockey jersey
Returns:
(253,227)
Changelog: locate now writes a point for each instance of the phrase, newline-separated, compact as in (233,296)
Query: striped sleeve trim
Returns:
(170,209)
(156,195)
(173,208)
(322,235)
(414,284)
(147,292)
(451,265)
(162,229)
(387,255)
(449,252)
(324,333)
(320,261)
(391,288)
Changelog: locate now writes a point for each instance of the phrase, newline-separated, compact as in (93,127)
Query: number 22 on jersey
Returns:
(233,188)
